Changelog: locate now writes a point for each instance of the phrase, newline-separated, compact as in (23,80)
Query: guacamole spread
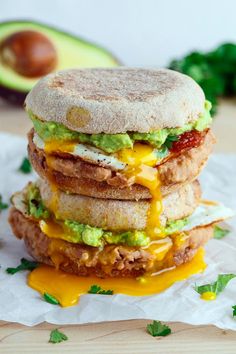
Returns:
(111,143)
(96,237)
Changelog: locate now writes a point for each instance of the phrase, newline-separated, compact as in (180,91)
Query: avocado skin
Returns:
(16,96)
(13,96)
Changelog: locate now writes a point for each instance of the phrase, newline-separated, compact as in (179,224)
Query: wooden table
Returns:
(124,336)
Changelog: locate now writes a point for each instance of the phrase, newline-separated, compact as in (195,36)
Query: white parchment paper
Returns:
(19,303)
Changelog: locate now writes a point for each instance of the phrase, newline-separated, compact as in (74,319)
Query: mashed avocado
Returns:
(158,138)
(111,143)
(175,226)
(96,237)
(56,131)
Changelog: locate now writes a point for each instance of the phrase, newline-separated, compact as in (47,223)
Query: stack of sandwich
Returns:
(118,153)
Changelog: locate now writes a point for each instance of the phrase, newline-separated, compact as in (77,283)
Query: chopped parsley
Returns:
(218,286)
(25,166)
(51,299)
(162,152)
(57,336)
(157,329)
(96,289)
(219,232)
(234,310)
(214,71)
(25,265)
(170,139)
(3,205)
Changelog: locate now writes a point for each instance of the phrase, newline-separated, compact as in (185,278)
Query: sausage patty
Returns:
(110,261)
(72,174)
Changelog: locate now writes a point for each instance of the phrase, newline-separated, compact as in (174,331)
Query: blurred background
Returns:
(139,32)
(194,37)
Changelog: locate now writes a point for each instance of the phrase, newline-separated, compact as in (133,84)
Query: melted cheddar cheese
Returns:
(67,288)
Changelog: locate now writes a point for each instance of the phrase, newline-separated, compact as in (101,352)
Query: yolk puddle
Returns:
(208,295)
(208,202)
(141,162)
(67,288)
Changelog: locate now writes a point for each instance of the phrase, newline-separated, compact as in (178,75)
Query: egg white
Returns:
(206,215)
(88,153)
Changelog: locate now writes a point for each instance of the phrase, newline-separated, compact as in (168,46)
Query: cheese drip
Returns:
(141,162)
(67,288)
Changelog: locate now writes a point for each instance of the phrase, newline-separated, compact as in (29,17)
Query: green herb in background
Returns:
(218,286)
(25,265)
(25,166)
(219,232)
(95,289)
(234,310)
(51,299)
(214,71)
(57,336)
(157,329)
(2,205)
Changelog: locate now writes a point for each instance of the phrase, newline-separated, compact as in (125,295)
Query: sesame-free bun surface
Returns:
(117,215)
(116,100)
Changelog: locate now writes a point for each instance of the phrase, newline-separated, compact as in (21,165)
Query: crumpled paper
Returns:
(20,303)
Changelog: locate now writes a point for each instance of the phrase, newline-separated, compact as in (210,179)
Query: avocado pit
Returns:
(29,53)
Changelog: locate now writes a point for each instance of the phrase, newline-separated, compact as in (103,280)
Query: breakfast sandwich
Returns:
(118,152)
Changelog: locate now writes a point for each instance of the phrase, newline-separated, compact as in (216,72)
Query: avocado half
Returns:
(71,52)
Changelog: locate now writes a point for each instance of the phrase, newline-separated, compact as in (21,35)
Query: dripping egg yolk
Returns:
(60,146)
(140,165)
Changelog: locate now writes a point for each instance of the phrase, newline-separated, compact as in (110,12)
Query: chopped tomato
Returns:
(188,140)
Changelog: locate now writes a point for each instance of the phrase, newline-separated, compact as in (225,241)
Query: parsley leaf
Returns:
(51,299)
(219,232)
(218,286)
(57,336)
(161,153)
(25,166)
(234,310)
(170,139)
(157,329)
(95,289)
(25,265)
(3,205)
